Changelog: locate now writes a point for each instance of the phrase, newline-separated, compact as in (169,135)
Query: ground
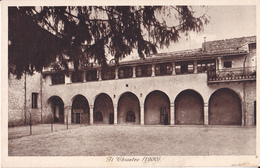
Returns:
(110,140)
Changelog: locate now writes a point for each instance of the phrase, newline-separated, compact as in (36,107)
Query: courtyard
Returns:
(110,140)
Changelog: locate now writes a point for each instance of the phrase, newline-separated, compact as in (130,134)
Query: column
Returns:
(68,79)
(91,114)
(173,69)
(142,114)
(206,114)
(115,114)
(134,73)
(153,70)
(116,72)
(219,63)
(67,116)
(99,75)
(172,114)
(195,64)
(84,76)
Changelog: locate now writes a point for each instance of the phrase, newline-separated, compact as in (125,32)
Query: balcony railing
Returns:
(232,74)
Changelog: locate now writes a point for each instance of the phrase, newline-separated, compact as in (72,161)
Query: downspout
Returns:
(25,98)
(41,95)
(244,64)
(244,96)
(244,106)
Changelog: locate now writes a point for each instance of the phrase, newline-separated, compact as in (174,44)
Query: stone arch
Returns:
(225,108)
(104,104)
(157,108)
(128,102)
(189,108)
(56,106)
(80,110)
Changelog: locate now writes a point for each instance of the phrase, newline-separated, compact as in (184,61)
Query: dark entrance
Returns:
(103,106)
(78,118)
(164,116)
(225,108)
(80,110)
(156,108)
(57,108)
(111,118)
(189,108)
(128,102)
(255,111)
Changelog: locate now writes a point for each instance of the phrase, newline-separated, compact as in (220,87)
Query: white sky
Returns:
(226,22)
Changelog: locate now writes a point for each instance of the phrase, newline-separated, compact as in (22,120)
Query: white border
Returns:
(89,161)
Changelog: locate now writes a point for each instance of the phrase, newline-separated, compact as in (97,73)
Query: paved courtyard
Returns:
(112,140)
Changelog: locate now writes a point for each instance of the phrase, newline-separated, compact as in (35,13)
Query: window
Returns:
(91,75)
(177,69)
(206,65)
(77,77)
(125,72)
(34,100)
(98,116)
(58,79)
(190,68)
(143,70)
(163,69)
(227,64)
(108,73)
(130,116)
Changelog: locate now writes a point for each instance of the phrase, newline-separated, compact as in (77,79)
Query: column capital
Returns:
(68,107)
(91,106)
(206,104)
(172,104)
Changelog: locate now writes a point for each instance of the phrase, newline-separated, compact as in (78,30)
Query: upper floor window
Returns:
(77,77)
(125,72)
(92,75)
(58,79)
(163,69)
(228,64)
(184,67)
(205,65)
(34,100)
(143,70)
(108,73)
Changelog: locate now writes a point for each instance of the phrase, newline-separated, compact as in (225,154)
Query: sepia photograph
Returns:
(130,84)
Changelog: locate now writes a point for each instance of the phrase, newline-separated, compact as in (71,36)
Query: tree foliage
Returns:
(81,33)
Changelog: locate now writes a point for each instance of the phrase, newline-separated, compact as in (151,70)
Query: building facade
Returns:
(212,85)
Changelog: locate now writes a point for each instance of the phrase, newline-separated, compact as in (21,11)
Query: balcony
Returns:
(232,75)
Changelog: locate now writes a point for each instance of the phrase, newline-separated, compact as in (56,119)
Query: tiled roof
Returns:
(209,50)
(213,49)
(227,44)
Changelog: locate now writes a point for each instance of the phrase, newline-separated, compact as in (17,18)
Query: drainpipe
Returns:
(244,64)
(25,98)
(244,106)
(41,95)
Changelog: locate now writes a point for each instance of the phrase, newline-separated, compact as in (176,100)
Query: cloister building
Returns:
(211,85)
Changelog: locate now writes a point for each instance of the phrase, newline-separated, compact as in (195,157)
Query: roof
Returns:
(213,49)
(209,50)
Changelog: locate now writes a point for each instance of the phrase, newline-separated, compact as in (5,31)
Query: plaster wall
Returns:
(141,87)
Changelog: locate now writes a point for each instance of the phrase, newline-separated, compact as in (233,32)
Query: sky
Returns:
(225,22)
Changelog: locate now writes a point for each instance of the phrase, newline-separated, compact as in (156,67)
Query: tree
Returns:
(81,33)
